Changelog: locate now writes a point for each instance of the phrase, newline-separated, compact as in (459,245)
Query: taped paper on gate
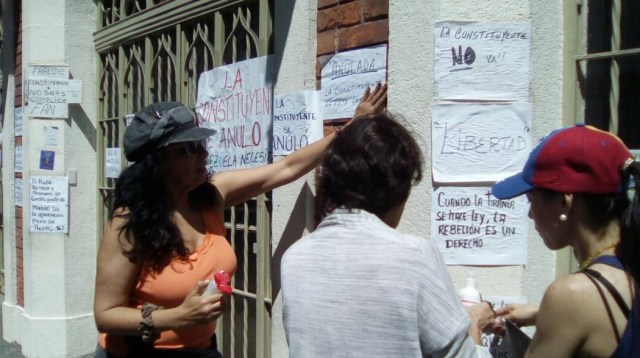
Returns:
(236,101)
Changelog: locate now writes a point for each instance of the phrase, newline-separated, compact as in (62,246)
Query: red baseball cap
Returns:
(578,159)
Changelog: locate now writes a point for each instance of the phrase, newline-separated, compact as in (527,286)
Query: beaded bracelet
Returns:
(146,325)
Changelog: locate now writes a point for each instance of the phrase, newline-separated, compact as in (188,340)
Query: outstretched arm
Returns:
(237,186)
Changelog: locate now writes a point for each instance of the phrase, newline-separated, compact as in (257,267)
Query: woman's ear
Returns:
(567,202)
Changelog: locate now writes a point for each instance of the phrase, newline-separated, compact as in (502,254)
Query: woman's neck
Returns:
(589,244)
(177,198)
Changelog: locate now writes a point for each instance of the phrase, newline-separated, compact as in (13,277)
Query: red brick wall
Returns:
(349,24)
(18,103)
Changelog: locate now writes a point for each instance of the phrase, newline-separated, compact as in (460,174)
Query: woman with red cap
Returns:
(166,234)
(577,180)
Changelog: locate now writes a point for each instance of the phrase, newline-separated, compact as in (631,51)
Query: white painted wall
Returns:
(411,89)
(59,269)
(411,95)
(292,215)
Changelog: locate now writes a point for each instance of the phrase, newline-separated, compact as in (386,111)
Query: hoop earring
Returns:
(563,217)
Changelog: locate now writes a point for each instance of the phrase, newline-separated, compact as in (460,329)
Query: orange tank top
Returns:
(169,288)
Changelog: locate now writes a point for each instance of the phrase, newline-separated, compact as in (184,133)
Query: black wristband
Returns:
(146,326)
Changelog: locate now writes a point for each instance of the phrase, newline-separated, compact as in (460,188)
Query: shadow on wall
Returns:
(282,14)
(298,222)
(78,116)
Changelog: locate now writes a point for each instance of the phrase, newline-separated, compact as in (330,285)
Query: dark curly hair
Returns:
(141,192)
(370,165)
(629,248)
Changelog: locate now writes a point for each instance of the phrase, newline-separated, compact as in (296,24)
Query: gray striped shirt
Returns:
(356,287)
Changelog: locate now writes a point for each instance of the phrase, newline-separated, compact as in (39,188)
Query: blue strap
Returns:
(608,260)
(629,345)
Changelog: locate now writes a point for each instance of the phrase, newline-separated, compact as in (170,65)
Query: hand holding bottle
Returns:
(221,284)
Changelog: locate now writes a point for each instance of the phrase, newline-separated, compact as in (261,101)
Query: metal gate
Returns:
(155,50)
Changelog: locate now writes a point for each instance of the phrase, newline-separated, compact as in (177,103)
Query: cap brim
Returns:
(511,187)
(195,133)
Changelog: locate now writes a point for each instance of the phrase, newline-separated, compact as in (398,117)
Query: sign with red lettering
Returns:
(472,227)
(236,100)
(479,142)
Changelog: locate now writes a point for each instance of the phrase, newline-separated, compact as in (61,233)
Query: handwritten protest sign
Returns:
(472,227)
(17,121)
(51,71)
(50,97)
(479,142)
(236,101)
(296,121)
(346,76)
(482,61)
(112,162)
(18,191)
(18,159)
(49,196)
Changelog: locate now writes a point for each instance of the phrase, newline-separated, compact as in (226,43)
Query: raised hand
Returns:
(372,102)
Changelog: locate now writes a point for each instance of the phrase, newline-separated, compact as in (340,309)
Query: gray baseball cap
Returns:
(158,125)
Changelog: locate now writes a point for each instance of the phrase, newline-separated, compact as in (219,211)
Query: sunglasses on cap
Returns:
(193,146)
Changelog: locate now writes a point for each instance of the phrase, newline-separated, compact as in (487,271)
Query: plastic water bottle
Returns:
(469,294)
(219,285)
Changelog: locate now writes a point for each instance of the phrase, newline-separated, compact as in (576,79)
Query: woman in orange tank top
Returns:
(166,236)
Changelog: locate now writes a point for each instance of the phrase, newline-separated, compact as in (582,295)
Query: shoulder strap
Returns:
(606,304)
(612,290)
(609,260)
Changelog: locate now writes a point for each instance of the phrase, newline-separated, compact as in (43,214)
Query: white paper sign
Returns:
(49,196)
(296,121)
(50,97)
(18,191)
(51,136)
(74,92)
(479,142)
(52,71)
(128,118)
(346,76)
(472,227)
(482,60)
(236,100)
(17,121)
(112,162)
(18,159)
